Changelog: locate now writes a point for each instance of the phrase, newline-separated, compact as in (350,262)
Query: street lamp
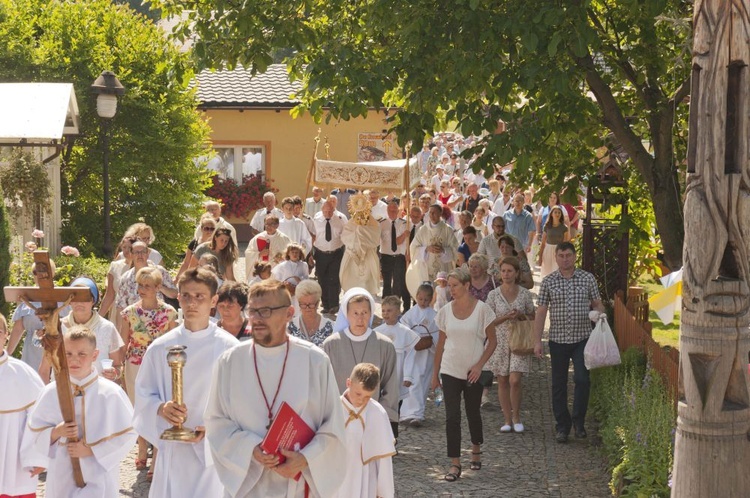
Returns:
(106,88)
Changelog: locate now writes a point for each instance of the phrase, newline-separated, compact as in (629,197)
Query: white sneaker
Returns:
(518,427)
(506,428)
(485,400)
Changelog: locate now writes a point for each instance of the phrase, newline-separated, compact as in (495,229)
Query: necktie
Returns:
(394,247)
(328,230)
(411,235)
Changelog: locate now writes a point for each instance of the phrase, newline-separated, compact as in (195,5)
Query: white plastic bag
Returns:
(601,350)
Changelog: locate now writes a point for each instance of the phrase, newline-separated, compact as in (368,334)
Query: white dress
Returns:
(421,321)
(21,387)
(153,386)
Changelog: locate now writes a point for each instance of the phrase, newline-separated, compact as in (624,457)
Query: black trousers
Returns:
(327,266)
(452,390)
(393,269)
(560,355)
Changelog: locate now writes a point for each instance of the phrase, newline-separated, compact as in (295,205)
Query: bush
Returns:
(637,418)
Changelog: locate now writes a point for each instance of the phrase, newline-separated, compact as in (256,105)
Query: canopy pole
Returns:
(312,164)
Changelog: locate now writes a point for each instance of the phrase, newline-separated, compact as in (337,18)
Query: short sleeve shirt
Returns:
(464,339)
(569,302)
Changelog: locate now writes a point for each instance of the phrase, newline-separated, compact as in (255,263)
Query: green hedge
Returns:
(638,419)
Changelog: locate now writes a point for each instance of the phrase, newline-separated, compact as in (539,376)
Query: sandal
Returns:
(150,475)
(453,476)
(476,464)
(141,463)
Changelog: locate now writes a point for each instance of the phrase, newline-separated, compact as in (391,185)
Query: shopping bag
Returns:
(521,340)
(601,349)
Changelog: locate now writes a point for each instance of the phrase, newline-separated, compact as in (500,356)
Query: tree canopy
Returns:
(564,76)
(155,136)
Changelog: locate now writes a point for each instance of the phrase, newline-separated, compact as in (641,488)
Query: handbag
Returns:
(521,339)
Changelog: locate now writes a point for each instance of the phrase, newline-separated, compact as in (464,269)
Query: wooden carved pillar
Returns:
(712,450)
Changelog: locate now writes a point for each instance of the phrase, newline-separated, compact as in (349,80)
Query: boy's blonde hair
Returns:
(391,301)
(79,332)
(366,374)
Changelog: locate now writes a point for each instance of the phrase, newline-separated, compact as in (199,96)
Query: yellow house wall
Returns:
(290,142)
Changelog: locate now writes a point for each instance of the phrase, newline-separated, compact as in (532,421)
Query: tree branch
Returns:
(680,94)
(613,118)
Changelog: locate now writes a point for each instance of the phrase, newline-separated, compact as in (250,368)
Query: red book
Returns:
(287,431)
(263,244)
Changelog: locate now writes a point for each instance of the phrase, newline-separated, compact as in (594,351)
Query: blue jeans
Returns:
(561,354)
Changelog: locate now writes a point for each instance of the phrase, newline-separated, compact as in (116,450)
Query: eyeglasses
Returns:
(140,252)
(208,229)
(310,306)
(265,312)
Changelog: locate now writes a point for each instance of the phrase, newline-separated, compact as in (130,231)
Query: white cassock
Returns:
(297,232)
(426,263)
(103,415)
(153,386)
(369,448)
(292,272)
(404,339)
(277,245)
(421,321)
(237,419)
(21,387)
(360,266)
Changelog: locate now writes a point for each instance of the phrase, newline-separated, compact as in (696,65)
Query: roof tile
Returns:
(239,88)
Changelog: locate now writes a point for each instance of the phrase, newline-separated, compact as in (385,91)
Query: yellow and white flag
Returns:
(665,303)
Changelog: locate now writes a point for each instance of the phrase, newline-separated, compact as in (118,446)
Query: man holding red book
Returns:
(250,384)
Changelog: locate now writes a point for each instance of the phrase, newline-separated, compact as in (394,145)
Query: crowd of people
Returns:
(451,264)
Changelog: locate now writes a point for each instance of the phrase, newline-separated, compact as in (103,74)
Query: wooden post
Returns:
(54,349)
(712,450)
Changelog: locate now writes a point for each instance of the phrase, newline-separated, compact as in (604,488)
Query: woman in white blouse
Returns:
(466,341)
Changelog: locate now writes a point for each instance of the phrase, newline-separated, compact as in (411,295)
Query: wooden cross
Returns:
(54,349)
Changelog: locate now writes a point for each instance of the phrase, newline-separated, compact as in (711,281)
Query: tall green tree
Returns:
(155,136)
(562,75)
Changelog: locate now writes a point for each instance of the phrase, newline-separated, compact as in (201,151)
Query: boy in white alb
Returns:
(369,443)
(404,339)
(420,319)
(183,468)
(21,387)
(102,426)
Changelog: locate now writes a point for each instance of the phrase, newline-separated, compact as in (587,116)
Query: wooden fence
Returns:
(632,332)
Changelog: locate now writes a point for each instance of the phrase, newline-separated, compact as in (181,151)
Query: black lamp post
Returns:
(107,88)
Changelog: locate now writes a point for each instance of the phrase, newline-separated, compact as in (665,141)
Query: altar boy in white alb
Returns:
(183,469)
(369,442)
(249,385)
(102,425)
(21,386)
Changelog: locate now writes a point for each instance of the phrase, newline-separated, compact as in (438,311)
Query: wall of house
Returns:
(288,142)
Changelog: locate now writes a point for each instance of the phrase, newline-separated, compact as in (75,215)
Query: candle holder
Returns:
(176,359)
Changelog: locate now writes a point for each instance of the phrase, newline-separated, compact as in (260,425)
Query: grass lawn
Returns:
(664,334)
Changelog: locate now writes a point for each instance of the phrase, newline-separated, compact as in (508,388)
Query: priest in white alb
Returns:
(360,266)
(434,247)
(249,385)
(183,468)
(269,245)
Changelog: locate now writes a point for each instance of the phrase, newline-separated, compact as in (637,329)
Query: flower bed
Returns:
(240,199)
(638,420)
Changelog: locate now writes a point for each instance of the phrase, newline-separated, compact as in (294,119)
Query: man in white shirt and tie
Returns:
(329,250)
(393,241)
(257,224)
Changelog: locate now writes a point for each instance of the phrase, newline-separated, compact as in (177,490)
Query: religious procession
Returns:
(448,267)
(373,250)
